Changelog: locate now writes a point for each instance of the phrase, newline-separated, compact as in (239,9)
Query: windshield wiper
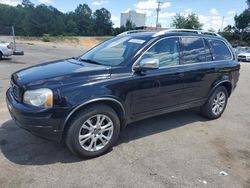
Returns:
(90,61)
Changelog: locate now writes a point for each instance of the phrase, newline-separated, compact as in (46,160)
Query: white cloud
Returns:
(186,12)
(100,2)
(45,1)
(214,22)
(190,10)
(231,12)
(151,4)
(10,2)
(147,12)
(167,15)
(116,21)
(214,11)
(127,10)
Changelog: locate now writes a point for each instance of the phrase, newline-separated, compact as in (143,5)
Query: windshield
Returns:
(242,50)
(114,51)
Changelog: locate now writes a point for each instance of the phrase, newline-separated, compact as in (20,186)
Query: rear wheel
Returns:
(1,55)
(93,131)
(216,104)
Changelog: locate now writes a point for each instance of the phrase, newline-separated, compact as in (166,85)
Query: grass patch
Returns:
(48,38)
(60,38)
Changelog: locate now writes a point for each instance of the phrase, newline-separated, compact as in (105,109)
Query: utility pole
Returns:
(158,11)
(222,24)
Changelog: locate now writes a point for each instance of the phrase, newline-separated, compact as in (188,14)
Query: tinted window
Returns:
(193,50)
(220,50)
(166,50)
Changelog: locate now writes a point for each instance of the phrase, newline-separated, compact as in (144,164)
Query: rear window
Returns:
(220,50)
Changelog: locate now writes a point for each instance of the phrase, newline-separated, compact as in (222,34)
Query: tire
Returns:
(81,129)
(1,55)
(214,107)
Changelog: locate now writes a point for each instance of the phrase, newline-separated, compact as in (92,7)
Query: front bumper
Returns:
(243,59)
(45,123)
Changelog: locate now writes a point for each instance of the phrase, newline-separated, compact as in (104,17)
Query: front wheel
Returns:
(93,131)
(216,104)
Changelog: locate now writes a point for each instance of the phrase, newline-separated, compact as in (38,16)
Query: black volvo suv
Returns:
(87,101)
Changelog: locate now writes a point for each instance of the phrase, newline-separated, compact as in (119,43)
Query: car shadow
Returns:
(10,61)
(159,124)
(21,147)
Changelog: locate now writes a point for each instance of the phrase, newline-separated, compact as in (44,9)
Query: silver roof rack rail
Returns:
(131,32)
(186,30)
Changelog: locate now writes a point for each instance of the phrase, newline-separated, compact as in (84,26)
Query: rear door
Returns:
(199,73)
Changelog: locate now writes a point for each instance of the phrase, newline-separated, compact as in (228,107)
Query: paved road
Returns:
(180,149)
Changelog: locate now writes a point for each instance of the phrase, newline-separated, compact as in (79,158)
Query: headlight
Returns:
(39,98)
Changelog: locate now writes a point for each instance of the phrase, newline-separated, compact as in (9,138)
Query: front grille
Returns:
(15,91)
(242,56)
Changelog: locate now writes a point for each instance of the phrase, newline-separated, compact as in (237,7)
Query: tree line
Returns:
(31,20)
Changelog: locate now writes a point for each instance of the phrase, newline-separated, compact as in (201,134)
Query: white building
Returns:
(139,19)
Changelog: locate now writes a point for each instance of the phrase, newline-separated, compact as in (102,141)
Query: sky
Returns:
(210,12)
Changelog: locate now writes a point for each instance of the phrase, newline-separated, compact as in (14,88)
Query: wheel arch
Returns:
(226,83)
(116,105)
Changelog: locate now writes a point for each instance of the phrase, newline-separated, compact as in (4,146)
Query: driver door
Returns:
(157,90)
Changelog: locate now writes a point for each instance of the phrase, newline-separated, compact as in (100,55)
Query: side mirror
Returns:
(147,64)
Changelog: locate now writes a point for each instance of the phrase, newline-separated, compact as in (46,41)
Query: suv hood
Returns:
(60,72)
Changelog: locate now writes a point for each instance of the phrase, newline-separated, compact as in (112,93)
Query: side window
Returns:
(220,50)
(166,50)
(193,50)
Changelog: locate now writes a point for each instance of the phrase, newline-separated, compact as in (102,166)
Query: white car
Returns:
(6,49)
(244,56)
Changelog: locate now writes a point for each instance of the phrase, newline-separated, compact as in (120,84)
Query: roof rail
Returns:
(131,32)
(186,30)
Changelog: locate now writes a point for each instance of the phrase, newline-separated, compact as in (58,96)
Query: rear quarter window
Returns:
(220,50)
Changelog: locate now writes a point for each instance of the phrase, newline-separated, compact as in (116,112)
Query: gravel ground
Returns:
(180,149)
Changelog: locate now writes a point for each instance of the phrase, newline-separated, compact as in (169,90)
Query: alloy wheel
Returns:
(96,132)
(218,104)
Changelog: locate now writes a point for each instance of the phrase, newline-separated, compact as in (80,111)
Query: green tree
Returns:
(186,22)
(130,25)
(70,24)
(242,23)
(27,3)
(30,20)
(83,19)
(102,22)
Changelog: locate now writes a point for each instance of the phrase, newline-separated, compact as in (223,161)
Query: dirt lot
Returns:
(88,42)
(180,149)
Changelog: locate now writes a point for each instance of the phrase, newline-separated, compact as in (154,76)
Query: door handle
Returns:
(180,74)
